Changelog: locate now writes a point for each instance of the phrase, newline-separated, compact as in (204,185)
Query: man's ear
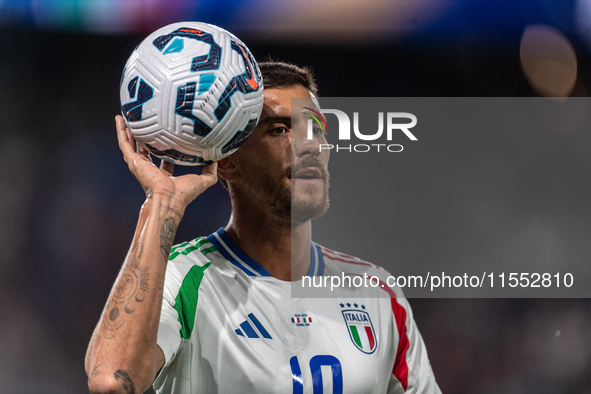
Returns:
(228,170)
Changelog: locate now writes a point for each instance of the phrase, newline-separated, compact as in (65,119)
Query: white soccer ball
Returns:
(191,93)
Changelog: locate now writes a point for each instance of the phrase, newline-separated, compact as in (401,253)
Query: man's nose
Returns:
(300,142)
(305,146)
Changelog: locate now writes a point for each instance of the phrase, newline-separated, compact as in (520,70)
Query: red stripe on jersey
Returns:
(345,258)
(400,370)
(346,261)
(338,253)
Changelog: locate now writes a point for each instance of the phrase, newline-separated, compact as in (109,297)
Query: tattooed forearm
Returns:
(136,254)
(167,236)
(133,284)
(123,376)
(131,280)
(131,288)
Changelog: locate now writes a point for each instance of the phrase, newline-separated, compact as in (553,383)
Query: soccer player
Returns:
(215,314)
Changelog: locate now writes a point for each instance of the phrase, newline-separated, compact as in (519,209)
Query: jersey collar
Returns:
(232,253)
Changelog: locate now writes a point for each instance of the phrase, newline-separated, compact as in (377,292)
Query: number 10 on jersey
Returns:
(316,363)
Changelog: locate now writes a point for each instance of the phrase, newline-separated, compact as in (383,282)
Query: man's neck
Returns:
(282,250)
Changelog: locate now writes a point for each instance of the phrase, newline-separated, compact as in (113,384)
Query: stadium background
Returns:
(68,205)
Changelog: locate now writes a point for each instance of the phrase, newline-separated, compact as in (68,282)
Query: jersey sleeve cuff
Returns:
(169,341)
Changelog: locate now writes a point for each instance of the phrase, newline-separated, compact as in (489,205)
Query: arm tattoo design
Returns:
(130,289)
(167,236)
(133,282)
(123,376)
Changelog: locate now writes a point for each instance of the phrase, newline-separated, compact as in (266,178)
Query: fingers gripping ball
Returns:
(191,93)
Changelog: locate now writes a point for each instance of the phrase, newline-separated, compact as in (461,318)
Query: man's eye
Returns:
(318,131)
(280,130)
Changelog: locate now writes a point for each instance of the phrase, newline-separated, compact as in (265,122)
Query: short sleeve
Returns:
(412,372)
(169,328)
(169,338)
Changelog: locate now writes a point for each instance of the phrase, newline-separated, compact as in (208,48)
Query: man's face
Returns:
(281,169)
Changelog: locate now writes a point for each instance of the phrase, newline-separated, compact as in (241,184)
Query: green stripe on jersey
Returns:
(209,250)
(179,246)
(202,241)
(186,300)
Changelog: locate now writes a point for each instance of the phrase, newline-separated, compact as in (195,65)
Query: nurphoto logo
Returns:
(396,122)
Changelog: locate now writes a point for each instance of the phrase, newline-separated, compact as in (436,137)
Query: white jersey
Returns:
(227,326)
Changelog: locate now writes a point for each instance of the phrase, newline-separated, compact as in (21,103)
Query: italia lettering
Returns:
(356,317)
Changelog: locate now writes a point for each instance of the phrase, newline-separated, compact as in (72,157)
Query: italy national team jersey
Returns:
(227,326)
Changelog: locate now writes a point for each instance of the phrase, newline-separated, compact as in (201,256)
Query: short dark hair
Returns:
(280,74)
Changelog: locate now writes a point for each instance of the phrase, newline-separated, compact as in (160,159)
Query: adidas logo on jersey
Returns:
(252,328)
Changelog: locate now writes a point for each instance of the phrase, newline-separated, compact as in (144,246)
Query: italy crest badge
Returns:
(361,330)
